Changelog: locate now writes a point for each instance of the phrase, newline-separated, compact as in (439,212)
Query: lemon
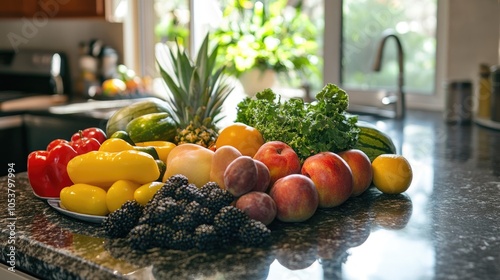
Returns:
(392,174)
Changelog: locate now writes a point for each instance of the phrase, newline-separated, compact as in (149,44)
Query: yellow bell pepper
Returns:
(120,192)
(145,193)
(102,169)
(84,199)
(117,145)
(163,148)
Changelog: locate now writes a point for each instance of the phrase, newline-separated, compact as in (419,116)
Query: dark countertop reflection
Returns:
(446,226)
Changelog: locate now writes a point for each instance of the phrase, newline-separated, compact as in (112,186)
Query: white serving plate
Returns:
(56,204)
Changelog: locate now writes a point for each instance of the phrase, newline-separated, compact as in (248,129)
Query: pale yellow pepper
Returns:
(84,199)
(163,148)
(120,192)
(102,169)
(145,193)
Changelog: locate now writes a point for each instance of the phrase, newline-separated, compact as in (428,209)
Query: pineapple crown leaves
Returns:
(198,90)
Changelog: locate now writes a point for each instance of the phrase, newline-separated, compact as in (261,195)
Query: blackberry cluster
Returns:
(254,233)
(228,221)
(120,222)
(181,216)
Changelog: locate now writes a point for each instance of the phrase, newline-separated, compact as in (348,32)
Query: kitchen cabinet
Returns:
(24,132)
(42,128)
(12,143)
(53,9)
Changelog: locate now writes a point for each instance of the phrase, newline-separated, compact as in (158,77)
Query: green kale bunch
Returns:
(309,128)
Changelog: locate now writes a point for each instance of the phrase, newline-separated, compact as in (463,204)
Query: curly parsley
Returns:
(309,128)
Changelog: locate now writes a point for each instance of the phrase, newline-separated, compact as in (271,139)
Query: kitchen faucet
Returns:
(399,99)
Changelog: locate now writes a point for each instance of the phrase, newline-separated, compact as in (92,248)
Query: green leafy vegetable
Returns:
(309,128)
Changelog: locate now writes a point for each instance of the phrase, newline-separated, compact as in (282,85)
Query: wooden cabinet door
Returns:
(52,8)
(17,9)
(72,8)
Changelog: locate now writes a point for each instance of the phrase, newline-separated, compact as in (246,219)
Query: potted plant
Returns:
(262,38)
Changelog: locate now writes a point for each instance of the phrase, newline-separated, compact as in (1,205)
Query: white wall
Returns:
(473,36)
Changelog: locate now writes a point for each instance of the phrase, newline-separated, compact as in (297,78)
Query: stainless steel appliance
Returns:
(26,76)
(33,72)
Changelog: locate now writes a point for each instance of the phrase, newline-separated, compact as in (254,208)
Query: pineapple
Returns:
(197,92)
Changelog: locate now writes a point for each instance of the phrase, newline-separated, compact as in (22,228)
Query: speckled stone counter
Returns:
(446,226)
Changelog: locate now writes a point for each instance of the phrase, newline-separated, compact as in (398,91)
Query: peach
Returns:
(332,177)
(280,159)
(258,206)
(192,162)
(223,156)
(361,167)
(263,177)
(240,176)
(296,198)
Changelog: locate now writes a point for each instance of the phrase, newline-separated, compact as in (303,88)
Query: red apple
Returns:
(258,206)
(296,198)
(280,159)
(332,177)
(361,167)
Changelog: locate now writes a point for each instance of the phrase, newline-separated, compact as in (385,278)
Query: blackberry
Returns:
(184,221)
(254,233)
(182,240)
(167,190)
(188,192)
(154,203)
(142,237)
(229,220)
(163,213)
(120,222)
(178,180)
(208,187)
(193,208)
(205,237)
(218,198)
(162,235)
(205,216)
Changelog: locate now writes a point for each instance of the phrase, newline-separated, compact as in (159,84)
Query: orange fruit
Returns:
(244,138)
(113,87)
(392,174)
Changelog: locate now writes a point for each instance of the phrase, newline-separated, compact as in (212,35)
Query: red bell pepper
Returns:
(37,175)
(47,169)
(91,132)
(84,145)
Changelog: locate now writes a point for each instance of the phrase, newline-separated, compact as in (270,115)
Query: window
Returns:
(349,33)
(364,22)
(352,33)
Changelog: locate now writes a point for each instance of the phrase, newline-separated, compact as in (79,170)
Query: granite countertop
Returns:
(446,226)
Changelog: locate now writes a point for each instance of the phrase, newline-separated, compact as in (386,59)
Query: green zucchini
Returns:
(120,118)
(373,142)
(152,127)
(162,167)
(123,135)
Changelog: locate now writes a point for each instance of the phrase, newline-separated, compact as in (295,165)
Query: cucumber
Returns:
(122,134)
(148,150)
(120,118)
(162,167)
(152,127)
(373,142)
